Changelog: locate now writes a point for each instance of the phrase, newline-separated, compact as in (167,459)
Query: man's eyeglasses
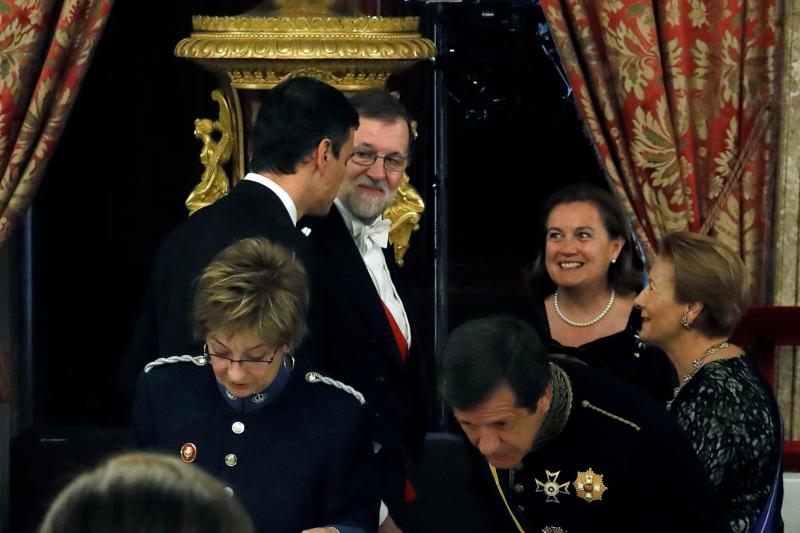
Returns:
(246,363)
(391,163)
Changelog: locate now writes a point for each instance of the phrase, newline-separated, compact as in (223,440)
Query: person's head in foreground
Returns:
(250,308)
(495,376)
(145,492)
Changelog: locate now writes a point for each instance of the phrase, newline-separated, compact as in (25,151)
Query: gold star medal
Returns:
(551,487)
(589,486)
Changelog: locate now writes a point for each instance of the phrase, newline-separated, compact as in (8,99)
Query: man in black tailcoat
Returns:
(301,141)
(364,328)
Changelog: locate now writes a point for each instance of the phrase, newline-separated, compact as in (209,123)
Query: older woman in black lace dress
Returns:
(696,293)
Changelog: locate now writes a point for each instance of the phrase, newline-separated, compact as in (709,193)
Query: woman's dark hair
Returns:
(624,276)
(139,492)
(293,119)
(484,353)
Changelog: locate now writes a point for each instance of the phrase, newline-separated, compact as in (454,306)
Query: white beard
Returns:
(366,208)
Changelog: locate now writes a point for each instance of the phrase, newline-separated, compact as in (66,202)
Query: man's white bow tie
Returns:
(377,233)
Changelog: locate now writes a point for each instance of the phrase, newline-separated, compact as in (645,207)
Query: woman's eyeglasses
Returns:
(246,363)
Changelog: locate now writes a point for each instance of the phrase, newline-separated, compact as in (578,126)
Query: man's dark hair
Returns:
(625,276)
(293,119)
(484,353)
(380,104)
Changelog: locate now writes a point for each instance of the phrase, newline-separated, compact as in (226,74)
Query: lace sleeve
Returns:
(705,413)
(728,418)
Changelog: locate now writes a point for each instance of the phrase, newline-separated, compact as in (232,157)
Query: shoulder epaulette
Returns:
(199,360)
(587,405)
(316,377)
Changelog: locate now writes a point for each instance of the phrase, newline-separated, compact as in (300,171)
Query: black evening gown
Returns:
(621,354)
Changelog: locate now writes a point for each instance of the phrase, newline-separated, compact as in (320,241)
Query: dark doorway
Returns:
(499,132)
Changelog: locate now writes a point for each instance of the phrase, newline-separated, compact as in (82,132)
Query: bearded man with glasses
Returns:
(365,333)
(294,447)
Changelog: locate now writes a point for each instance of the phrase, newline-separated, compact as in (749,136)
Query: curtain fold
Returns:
(45,50)
(678,96)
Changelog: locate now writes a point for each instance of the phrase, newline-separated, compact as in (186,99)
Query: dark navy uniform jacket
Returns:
(303,459)
(651,479)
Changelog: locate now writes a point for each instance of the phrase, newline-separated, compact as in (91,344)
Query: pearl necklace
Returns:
(596,319)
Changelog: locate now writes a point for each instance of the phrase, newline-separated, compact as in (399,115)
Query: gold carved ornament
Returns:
(214,183)
(404,211)
(350,53)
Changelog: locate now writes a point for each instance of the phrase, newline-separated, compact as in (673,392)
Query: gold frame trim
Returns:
(325,24)
(268,77)
(306,46)
(304,38)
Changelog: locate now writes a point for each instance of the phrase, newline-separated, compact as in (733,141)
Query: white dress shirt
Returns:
(370,241)
(284,197)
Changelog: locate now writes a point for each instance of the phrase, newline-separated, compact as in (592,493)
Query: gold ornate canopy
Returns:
(350,53)
(258,50)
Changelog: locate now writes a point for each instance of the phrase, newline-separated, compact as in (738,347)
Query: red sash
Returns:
(409,494)
(402,345)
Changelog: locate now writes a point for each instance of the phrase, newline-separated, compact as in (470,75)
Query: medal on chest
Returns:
(589,486)
(552,488)
(188,452)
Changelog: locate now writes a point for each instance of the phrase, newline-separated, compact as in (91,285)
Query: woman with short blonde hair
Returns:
(294,446)
(696,293)
(705,270)
(254,286)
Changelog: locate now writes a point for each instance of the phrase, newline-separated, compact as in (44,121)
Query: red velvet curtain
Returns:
(45,49)
(678,98)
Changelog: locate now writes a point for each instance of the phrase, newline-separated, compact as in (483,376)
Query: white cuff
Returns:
(383,514)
